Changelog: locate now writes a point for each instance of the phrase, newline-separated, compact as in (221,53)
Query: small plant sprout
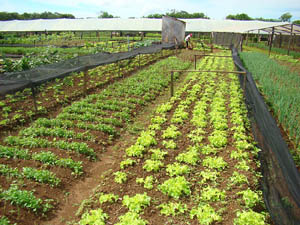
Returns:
(108,198)
(127,162)
(169,144)
(177,169)
(172,208)
(136,203)
(158,154)
(96,216)
(120,177)
(152,165)
(217,163)
(190,157)
(251,198)
(205,214)
(249,218)
(171,132)
(176,187)
(148,182)
(238,179)
(131,218)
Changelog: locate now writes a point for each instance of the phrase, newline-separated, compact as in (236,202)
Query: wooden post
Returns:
(271,41)
(128,42)
(241,42)
(294,41)
(172,83)
(247,38)
(34,98)
(291,36)
(85,73)
(280,40)
(195,61)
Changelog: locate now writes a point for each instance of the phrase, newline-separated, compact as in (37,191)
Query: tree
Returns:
(155,15)
(242,16)
(267,20)
(32,16)
(296,22)
(105,15)
(180,14)
(286,17)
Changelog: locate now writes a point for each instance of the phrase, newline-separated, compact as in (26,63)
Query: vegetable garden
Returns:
(52,95)
(193,162)
(41,160)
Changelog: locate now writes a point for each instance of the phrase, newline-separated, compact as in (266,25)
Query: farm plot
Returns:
(280,88)
(39,163)
(61,92)
(196,163)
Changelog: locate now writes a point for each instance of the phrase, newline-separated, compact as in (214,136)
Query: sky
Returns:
(215,9)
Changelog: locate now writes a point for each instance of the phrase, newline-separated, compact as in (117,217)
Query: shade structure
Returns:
(137,24)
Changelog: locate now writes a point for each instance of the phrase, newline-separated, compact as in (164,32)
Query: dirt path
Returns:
(109,160)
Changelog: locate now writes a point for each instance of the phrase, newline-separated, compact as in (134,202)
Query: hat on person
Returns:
(191,35)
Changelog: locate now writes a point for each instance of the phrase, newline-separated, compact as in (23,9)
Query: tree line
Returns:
(32,16)
(179,14)
(286,17)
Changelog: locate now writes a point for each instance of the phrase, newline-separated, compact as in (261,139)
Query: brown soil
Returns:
(54,95)
(151,214)
(72,191)
(109,161)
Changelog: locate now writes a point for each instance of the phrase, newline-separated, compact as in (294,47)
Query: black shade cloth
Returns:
(281,179)
(16,81)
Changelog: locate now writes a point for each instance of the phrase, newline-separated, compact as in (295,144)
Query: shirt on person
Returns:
(187,38)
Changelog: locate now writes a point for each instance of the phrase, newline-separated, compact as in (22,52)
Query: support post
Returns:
(280,40)
(85,73)
(291,36)
(172,83)
(294,41)
(247,38)
(128,42)
(241,42)
(34,98)
(271,41)
(195,61)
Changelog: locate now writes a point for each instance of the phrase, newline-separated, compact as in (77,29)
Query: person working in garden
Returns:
(187,40)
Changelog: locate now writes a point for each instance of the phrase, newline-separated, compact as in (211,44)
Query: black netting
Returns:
(227,39)
(281,179)
(16,81)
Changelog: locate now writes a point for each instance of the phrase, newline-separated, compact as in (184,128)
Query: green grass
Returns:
(282,51)
(280,88)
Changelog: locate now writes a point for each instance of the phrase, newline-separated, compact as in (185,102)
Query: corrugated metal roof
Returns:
(141,24)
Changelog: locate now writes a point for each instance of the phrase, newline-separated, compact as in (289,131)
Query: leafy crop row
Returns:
(195,163)
(280,88)
(83,128)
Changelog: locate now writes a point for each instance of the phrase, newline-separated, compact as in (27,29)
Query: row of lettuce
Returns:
(280,88)
(64,91)
(82,129)
(31,57)
(195,163)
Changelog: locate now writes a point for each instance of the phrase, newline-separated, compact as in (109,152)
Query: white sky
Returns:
(215,9)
